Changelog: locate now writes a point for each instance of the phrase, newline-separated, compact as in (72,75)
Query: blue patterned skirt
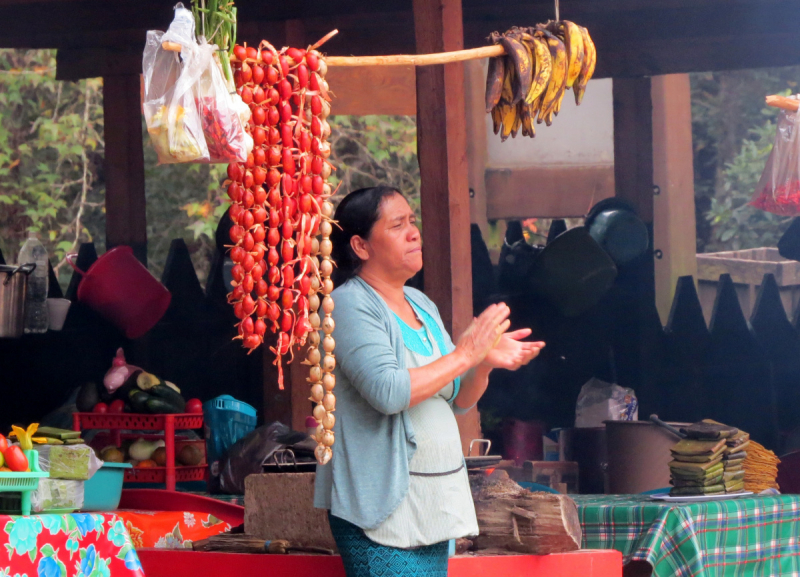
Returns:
(363,557)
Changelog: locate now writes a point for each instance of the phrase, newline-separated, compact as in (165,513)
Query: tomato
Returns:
(16,459)
(194,406)
(3,444)
(116,406)
(100,408)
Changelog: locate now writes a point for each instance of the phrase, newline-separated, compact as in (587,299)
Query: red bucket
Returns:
(123,291)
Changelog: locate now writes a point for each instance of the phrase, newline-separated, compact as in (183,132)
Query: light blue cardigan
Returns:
(368,476)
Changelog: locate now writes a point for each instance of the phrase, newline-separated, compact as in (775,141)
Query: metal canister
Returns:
(13,282)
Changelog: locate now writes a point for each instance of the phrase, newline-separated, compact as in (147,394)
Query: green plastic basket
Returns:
(24,483)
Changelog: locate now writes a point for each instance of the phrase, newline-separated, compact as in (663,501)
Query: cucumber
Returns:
(159,406)
(169,395)
(138,400)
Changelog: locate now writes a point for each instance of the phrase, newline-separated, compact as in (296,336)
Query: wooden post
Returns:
(126,220)
(633,144)
(477,151)
(639,328)
(442,153)
(674,228)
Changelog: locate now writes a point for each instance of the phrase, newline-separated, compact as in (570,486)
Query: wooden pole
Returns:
(398,59)
(126,220)
(635,285)
(674,228)
(442,154)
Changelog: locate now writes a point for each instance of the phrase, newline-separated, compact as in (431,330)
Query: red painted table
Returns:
(161,563)
(79,545)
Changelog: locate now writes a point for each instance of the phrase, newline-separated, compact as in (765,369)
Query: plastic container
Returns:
(24,483)
(226,421)
(103,491)
(33,251)
(123,291)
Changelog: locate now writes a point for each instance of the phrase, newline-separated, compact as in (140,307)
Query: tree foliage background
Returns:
(733,133)
(51,168)
(51,164)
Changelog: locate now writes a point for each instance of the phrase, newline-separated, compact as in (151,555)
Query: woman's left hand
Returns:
(510,353)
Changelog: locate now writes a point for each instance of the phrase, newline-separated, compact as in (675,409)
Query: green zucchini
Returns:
(138,400)
(169,395)
(159,406)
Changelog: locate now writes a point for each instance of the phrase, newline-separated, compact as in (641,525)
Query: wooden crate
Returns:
(747,269)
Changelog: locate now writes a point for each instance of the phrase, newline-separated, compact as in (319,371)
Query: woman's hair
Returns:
(356,214)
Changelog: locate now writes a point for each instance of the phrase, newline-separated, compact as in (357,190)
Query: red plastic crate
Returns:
(169,475)
(159,474)
(136,421)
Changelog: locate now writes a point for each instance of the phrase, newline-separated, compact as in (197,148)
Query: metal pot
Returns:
(12,298)
(638,455)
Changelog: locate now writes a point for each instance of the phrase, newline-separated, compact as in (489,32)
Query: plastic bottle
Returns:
(33,250)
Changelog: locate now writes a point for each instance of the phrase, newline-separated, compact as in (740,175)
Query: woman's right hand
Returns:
(483,333)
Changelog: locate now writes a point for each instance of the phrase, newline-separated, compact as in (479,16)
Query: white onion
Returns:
(329,402)
(328,325)
(327,438)
(328,344)
(328,421)
(314,319)
(313,301)
(314,374)
(326,228)
(326,247)
(317,392)
(328,382)
(327,286)
(313,356)
(327,207)
(327,305)
(319,413)
(313,338)
(328,363)
(326,267)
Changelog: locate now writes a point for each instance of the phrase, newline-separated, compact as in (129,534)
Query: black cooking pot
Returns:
(613,223)
(573,272)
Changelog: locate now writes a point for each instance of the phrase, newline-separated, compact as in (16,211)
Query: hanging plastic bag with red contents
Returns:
(223,115)
(778,190)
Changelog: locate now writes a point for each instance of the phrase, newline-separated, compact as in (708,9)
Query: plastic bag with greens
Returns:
(170,112)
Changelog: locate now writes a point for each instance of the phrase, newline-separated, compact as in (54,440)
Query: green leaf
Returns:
(47,550)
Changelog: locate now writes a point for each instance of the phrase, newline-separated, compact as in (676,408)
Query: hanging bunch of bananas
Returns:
(540,64)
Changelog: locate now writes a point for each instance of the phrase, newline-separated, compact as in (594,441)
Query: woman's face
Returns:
(394,248)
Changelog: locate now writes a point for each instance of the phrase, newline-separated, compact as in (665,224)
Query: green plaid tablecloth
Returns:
(757,536)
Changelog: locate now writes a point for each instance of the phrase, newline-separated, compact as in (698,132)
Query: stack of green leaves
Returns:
(709,460)
(697,467)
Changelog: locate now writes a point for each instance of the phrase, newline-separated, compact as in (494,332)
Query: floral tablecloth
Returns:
(170,529)
(76,545)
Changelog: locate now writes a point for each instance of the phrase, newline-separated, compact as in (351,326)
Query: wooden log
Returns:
(514,520)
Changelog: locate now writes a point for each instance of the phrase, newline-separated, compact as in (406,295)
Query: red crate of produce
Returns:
(169,475)
(136,421)
(159,474)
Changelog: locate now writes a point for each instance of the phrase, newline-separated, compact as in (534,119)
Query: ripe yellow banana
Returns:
(558,80)
(524,112)
(589,62)
(497,119)
(507,92)
(573,39)
(540,54)
(508,114)
(520,58)
(494,81)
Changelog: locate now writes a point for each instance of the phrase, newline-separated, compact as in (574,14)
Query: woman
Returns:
(397,487)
